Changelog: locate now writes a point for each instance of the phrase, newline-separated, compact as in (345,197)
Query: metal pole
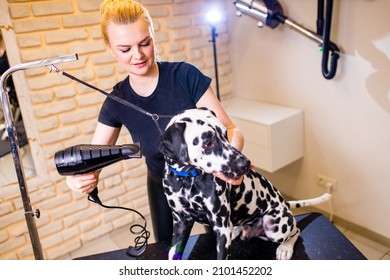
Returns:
(213,41)
(13,139)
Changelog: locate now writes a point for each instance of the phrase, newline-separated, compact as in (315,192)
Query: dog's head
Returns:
(197,138)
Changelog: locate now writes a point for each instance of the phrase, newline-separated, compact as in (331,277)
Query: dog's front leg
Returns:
(181,232)
(224,241)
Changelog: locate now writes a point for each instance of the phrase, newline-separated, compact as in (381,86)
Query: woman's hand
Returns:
(235,182)
(83,183)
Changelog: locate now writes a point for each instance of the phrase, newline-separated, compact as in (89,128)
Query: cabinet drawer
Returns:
(253,132)
(259,156)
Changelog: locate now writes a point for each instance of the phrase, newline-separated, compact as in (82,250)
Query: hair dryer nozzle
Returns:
(83,158)
(268,12)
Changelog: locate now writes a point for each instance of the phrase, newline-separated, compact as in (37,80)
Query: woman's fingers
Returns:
(83,183)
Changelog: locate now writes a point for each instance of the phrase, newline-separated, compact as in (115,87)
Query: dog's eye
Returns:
(208,144)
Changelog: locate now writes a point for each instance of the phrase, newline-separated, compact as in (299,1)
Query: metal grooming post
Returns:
(12,136)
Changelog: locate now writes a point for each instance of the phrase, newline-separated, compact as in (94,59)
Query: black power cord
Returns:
(141,241)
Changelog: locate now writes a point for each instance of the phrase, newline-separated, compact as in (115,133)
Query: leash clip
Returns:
(53,68)
(155,117)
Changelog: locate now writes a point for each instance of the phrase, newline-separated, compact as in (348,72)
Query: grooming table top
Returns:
(319,240)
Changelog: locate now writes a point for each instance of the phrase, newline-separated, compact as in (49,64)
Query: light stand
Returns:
(213,17)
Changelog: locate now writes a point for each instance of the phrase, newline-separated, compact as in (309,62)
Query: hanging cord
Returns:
(141,241)
(155,117)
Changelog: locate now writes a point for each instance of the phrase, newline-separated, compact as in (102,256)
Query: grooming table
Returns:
(319,240)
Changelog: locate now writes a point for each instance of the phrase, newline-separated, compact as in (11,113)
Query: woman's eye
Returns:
(145,44)
(124,50)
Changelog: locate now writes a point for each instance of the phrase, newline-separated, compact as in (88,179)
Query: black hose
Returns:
(328,46)
(320,17)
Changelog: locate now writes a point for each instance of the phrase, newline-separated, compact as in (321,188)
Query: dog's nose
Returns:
(243,163)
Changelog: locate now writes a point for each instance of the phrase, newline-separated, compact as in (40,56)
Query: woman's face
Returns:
(132,45)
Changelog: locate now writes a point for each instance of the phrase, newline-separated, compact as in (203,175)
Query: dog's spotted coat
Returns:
(195,145)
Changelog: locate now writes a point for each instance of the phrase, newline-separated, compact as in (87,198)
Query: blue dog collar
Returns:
(191,173)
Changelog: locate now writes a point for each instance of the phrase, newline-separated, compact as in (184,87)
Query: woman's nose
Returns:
(137,53)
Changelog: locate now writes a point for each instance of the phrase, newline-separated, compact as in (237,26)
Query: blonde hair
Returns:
(122,12)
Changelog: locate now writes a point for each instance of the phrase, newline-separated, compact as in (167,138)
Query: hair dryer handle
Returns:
(93,196)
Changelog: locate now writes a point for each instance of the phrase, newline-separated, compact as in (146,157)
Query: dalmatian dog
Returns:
(195,145)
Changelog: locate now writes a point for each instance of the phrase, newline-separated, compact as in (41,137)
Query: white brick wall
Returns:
(64,114)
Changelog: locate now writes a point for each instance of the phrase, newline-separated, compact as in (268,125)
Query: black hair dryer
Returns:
(84,158)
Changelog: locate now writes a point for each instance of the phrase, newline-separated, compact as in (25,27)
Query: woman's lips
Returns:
(140,64)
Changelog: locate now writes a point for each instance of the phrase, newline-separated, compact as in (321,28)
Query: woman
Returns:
(162,88)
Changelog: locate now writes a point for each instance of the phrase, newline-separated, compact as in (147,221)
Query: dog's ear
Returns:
(172,143)
(207,109)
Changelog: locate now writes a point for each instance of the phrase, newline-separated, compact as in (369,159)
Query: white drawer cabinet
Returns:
(273,134)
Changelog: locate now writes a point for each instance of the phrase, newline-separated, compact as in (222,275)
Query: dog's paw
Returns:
(173,255)
(284,251)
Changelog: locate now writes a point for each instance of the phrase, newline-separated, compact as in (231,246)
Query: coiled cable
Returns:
(142,234)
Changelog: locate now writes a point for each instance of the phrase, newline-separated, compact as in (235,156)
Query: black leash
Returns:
(155,117)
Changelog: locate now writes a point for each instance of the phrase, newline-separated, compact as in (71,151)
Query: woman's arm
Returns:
(210,101)
(105,135)
(235,137)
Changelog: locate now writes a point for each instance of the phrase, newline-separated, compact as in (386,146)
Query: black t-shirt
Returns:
(4,66)
(180,86)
